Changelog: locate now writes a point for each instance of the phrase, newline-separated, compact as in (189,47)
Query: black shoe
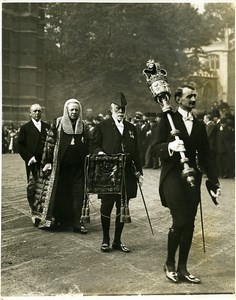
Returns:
(105,247)
(171,275)
(189,278)
(120,247)
(82,229)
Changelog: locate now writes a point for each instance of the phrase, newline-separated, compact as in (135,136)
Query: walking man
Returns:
(112,136)
(32,136)
(175,193)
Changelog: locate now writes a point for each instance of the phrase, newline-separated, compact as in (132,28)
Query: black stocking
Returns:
(184,248)
(118,230)
(173,243)
(106,228)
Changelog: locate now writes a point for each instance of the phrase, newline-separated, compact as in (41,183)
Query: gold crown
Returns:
(152,62)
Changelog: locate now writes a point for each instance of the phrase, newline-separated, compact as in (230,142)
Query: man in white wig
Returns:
(63,158)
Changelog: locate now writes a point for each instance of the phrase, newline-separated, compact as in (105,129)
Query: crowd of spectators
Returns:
(222,140)
(10,138)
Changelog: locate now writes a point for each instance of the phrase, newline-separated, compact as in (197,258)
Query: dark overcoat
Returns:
(107,138)
(211,134)
(31,141)
(197,150)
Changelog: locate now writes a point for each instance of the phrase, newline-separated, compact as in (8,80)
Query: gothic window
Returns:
(213,61)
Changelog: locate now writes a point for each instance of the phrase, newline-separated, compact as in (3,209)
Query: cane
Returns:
(137,175)
(202,226)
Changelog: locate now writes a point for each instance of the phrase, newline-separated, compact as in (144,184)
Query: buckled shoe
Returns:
(171,275)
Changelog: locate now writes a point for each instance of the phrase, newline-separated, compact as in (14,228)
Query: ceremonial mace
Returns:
(157,81)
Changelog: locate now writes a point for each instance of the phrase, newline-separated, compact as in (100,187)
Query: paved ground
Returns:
(40,263)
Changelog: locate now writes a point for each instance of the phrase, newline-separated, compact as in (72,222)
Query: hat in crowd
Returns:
(138,114)
(120,100)
(152,119)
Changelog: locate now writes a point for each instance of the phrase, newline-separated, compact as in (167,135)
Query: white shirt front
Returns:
(119,125)
(187,118)
(37,124)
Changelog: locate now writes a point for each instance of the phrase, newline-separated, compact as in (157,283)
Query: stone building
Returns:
(22,60)
(216,79)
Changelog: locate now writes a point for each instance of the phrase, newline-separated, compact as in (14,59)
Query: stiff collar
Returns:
(184,113)
(37,124)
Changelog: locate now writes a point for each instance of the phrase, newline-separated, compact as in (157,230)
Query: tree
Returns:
(93,50)
(219,16)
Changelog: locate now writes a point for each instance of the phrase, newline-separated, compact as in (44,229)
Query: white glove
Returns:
(140,180)
(47,167)
(177,146)
(32,161)
(217,194)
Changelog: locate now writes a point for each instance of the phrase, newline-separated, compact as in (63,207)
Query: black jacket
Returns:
(31,141)
(107,138)
(196,145)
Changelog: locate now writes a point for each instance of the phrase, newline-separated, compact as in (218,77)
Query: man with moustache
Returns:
(175,193)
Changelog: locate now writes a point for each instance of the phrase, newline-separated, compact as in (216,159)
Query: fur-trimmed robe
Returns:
(46,184)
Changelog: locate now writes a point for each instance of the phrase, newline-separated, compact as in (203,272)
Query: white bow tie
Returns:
(189,118)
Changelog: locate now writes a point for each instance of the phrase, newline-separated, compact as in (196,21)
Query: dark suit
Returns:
(31,143)
(142,130)
(196,142)
(174,190)
(211,134)
(107,138)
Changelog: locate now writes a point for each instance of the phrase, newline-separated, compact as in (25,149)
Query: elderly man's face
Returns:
(117,112)
(73,111)
(36,112)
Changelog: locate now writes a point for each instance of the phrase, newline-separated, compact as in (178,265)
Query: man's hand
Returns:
(217,194)
(140,180)
(47,167)
(176,146)
(32,161)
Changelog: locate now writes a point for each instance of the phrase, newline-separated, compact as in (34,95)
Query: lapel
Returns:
(43,127)
(179,124)
(182,128)
(33,128)
(195,130)
(125,128)
(116,129)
